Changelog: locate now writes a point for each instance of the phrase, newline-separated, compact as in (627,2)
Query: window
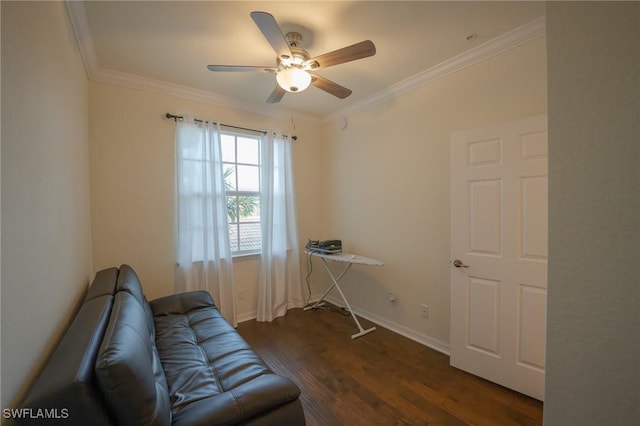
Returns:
(241,167)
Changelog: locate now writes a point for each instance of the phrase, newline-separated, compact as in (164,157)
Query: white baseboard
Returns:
(423,339)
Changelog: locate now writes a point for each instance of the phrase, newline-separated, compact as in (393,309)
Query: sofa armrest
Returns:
(103,284)
(251,399)
(67,383)
(181,303)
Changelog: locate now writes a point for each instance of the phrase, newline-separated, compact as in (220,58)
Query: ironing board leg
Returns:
(362,331)
(320,301)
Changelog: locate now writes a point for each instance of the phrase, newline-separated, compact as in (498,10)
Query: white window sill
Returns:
(241,257)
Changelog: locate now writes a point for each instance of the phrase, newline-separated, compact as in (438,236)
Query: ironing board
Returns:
(349,259)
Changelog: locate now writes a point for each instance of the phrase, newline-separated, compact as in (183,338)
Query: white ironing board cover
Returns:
(348,258)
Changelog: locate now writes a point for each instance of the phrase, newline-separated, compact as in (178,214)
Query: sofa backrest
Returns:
(66,387)
(129,282)
(128,367)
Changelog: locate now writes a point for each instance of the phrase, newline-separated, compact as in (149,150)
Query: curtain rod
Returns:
(179,117)
(175,118)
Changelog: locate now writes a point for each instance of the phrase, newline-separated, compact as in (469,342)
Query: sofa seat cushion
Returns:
(212,373)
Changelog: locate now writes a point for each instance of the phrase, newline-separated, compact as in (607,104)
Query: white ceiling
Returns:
(173,42)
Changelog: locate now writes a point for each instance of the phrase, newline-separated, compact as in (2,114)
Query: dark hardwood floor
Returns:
(381,378)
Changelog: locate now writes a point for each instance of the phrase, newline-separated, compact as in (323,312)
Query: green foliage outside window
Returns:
(238,205)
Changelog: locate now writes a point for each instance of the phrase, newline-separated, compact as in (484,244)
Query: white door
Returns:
(499,253)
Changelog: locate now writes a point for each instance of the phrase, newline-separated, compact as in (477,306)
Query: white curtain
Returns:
(280,284)
(203,251)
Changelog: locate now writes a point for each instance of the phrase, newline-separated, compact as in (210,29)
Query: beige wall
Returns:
(132,182)
(593,326)
(389,183)
(46,241)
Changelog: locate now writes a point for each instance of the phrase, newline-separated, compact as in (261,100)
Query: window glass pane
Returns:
(232,208)
(233,238)
(250,236)
(228,148)
(248,178)
(229,173)
(248,150)
(248,208)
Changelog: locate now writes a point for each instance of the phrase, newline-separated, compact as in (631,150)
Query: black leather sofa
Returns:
(174,360)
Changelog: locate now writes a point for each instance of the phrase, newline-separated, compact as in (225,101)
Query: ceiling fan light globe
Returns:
(293,79)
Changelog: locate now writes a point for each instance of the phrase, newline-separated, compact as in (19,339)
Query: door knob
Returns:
(458,264)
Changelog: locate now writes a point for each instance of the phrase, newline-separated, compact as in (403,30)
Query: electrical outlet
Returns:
(241,294)
(424,311)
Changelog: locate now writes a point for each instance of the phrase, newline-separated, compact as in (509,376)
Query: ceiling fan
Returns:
(294,66)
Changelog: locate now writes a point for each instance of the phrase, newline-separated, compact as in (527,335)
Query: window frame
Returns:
(236,194)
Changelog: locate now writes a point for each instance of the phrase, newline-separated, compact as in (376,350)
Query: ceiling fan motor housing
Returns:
(298,58)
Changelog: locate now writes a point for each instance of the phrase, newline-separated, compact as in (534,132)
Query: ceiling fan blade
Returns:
(271,31)
(329,86)
(239,68)
(276,95)
(360,50)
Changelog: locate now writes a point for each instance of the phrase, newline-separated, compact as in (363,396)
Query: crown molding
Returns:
(80,26)
(171,89)
(520,35)
(509,40)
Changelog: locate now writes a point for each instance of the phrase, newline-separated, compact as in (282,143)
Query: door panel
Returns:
(482,153)
(499,230)
(534,198)
(532,302)
(485,207)
(484,315)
